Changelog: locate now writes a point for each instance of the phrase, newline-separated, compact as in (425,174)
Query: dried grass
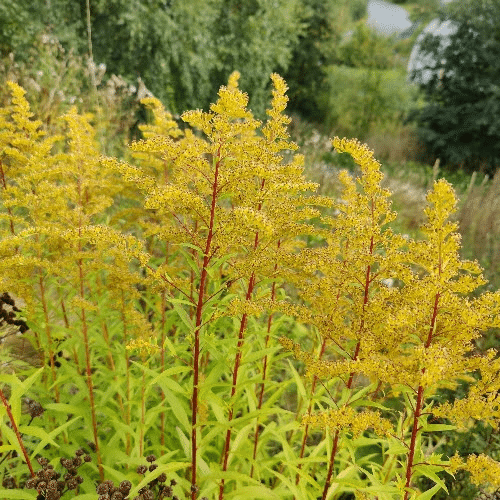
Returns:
(479,220)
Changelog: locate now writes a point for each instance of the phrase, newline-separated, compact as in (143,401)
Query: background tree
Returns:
(460,121)
(184,49)
(326,24)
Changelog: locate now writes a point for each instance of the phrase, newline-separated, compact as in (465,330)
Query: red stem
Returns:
(88,368)
(9,211)
(16,430)
(196,349)
(264,376)
(49,336)
(418,407)
(351,376)
(88,371)
(309,411)
(237,362)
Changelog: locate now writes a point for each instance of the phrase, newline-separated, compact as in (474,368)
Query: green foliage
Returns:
(184,49)
(366,49)
(23,20)
(167,281)
(362,100)
(459,122)
(326,23)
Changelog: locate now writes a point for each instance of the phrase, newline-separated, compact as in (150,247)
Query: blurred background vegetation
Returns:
(345,79)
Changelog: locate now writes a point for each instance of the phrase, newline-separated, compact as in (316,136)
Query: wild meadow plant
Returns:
(167,282)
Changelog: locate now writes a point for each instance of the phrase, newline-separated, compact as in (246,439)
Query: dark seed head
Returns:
(35,409)
(31,483)
(72,484)
(125,487)
(102,489)
(148,495)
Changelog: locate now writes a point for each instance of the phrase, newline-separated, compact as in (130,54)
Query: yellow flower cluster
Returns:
(146,347)
(395,311)
(347,419)
(483,471)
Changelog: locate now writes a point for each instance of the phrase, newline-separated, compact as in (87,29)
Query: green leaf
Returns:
(162,468)
(165,379)
(21,494)
(183,315)
(186,445)
(31,430)
(190,261)
(430,472)
(437,427)
(298,381)
(52,434)
(20,389)
(12,438)
(428,495)
(239,439)
(254,492)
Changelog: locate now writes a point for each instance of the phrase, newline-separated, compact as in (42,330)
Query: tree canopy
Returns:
(185,49)
(460,122)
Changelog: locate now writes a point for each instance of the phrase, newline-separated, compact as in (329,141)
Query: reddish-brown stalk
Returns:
(354,357)
(309,411)
(16,431)
(66,324)
(264,376)
(237,361)
(88,368)
(127,369)
(49,336)
(143,412)
(199,311)
(418,406)
(313,387)
(9,210)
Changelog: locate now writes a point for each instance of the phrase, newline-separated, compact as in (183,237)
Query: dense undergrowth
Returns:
(176,284)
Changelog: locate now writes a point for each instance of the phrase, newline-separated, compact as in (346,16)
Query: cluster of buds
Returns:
(52,485)
(108,491)
(156,489)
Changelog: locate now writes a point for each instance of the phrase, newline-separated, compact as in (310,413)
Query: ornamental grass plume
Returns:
(398,313)
(223,209)
(56,194)
(191,255)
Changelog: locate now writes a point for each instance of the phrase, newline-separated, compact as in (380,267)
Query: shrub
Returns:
(168,280)
(458,124)
(364,100)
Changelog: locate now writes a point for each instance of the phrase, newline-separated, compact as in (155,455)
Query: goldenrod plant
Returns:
(167,281)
